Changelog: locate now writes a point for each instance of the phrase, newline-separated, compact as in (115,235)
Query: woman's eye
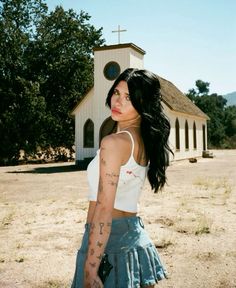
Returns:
(127,98)
(116,92)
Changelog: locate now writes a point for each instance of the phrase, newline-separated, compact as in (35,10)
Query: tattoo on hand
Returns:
(93,265)
(92,252)
(96,284)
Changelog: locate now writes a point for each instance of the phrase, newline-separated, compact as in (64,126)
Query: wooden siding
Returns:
(83,113)
(184,153)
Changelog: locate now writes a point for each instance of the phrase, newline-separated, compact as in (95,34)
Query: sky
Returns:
(184,40)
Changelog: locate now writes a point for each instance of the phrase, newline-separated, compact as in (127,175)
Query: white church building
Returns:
(188,135)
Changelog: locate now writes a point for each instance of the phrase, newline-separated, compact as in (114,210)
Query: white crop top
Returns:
(130,184)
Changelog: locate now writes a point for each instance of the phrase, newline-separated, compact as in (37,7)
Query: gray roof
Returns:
(177,101)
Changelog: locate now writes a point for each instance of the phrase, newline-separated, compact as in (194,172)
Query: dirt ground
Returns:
(192,222)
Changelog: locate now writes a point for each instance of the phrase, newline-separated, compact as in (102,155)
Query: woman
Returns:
(115,244)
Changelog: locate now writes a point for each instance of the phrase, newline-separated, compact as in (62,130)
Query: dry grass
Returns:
(192,222)
(52,284)
(203,225)
(7,219)
(219,185)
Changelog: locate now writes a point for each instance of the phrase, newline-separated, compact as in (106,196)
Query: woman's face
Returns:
(121,106)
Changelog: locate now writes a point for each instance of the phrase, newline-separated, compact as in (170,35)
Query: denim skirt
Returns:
(134,257)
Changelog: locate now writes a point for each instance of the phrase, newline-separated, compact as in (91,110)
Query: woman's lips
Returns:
(114,110)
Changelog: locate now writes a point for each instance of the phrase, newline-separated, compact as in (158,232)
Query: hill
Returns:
(231,98)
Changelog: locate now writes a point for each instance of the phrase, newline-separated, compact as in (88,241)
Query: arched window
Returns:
(89,134)
(186,135)
(177,138)
(194,136)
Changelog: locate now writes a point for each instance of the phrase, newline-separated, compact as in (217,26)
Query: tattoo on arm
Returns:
(99,244)
(112,175)
(99,257)
(101,226)
(92,226)
(113,183)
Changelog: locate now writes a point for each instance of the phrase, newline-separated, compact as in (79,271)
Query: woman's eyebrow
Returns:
(116,89)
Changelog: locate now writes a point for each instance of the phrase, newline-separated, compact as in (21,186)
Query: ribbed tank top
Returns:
(130,184)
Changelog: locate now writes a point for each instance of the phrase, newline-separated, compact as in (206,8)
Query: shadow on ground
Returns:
(50,170)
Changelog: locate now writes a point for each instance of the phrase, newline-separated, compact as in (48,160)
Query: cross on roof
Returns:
(119,31)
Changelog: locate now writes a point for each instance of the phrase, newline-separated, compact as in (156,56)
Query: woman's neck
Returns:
(128,124)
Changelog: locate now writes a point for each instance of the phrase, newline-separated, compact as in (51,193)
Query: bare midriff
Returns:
(115,213)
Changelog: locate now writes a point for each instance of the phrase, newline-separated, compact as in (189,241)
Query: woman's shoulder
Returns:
(116,142)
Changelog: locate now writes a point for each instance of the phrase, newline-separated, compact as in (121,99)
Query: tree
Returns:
(203,87)
(17,95)
(230,121)
(213,105)
(46,66)
(61,58)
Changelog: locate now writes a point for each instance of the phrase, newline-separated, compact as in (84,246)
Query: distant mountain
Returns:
(231,98)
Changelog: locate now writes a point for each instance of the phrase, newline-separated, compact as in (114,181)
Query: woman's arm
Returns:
(110,162)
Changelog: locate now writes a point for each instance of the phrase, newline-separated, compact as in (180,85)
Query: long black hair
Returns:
(144,91)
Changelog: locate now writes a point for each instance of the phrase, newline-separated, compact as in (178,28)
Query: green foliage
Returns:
(230,121)
(203,87)
(222,124)
(21,125)
(46,65)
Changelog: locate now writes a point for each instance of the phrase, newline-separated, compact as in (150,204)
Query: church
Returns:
(188,135)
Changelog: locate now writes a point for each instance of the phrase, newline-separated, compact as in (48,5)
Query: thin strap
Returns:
(132,140)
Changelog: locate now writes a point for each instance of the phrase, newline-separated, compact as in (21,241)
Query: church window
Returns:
(111,70)
(194,136)
(177,137)
(89,134)
(186,136)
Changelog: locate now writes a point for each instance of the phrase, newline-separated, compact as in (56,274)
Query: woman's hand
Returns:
(92,282)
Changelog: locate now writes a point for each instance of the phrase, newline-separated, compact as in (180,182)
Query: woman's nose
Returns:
(118,101)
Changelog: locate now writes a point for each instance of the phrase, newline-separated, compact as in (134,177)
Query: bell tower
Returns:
(109,62)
